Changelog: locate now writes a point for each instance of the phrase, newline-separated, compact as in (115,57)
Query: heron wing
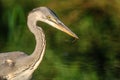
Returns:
(7,60)
(11,56)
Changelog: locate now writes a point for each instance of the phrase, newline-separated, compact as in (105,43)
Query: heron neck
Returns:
(40,43)
(38,53)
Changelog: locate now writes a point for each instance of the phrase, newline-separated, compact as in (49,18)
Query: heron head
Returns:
(46,15)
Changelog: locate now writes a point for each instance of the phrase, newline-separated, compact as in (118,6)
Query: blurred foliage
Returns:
(95,56)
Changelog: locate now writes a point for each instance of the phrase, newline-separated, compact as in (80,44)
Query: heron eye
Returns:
(48,17)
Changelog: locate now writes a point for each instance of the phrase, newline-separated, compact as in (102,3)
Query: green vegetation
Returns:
(95,56)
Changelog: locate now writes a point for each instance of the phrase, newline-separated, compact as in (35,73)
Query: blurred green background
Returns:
(95,56)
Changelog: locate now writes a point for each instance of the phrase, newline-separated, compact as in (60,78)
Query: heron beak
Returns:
(59,25)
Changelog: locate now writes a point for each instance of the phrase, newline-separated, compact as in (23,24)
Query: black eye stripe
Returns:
(53,13)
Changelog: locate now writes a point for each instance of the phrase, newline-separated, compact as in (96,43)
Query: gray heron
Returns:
(17,65)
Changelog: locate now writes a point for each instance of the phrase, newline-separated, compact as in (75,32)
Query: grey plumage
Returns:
(20,66)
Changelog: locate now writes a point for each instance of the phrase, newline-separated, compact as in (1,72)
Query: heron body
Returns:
(20,66)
